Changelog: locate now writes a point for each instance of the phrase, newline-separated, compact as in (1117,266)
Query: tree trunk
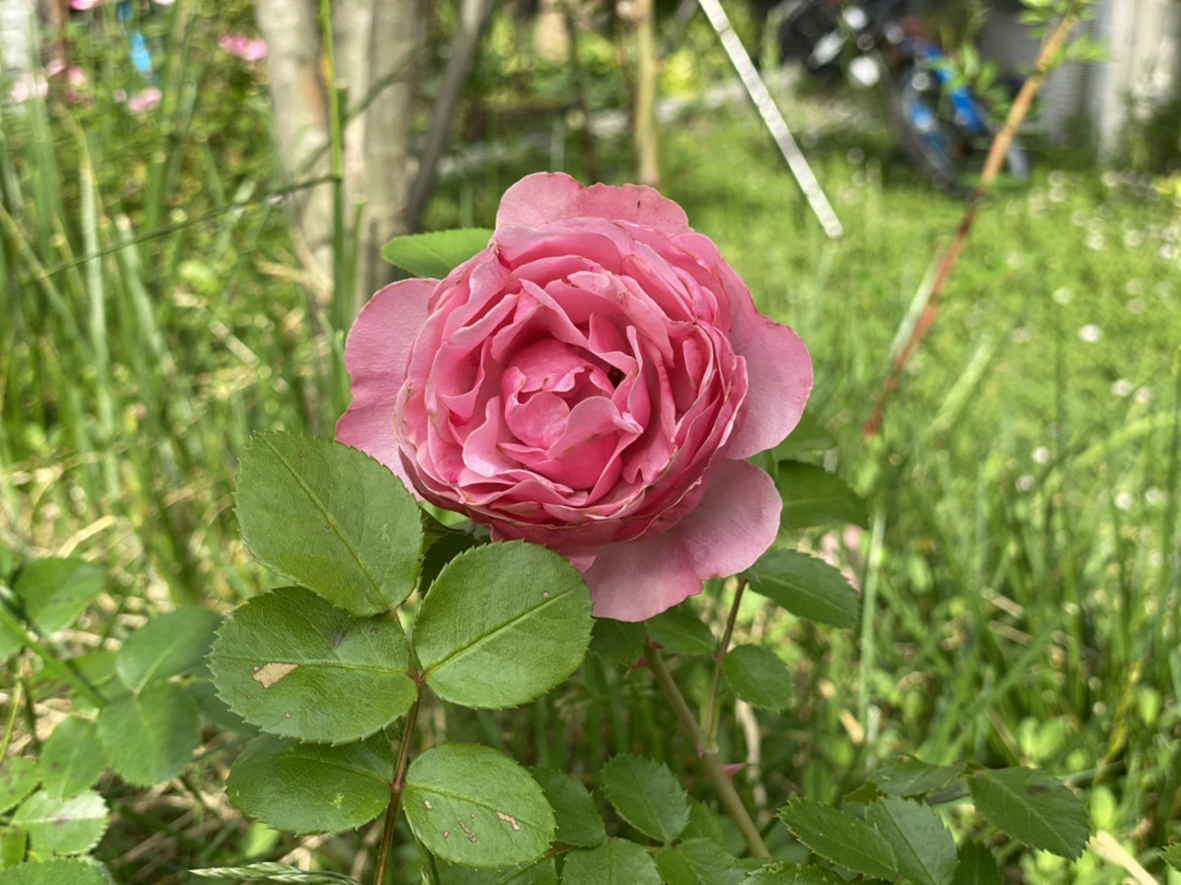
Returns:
(375,41)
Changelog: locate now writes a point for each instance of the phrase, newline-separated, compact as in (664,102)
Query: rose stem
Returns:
(397,786)
(709,719)
(729,797)
(992,165)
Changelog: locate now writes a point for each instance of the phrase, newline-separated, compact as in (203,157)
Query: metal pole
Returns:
(757,90)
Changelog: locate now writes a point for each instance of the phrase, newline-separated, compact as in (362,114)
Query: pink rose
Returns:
(592,381)
(244,47)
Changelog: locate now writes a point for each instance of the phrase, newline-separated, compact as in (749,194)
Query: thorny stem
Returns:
(396,787)
(992,165)
(728,796)
(710,714)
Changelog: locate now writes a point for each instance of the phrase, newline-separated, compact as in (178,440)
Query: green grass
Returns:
(1021,571)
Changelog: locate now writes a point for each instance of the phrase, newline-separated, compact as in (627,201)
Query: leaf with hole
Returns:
(51,594)
(923,847)
(297,667)
(647,795)
(167,646)
(579,822)
(976,866)
(474,806)
(54,872)
(331,518)
(502,625)
(758,676)
(698,862)
(615,862)
(807,587)
(813,496)
(312,788)
(680,631)
(19,777)
(1033,808)
(72,759)
(435,255)
(62,826)
(149,738)
(842,839)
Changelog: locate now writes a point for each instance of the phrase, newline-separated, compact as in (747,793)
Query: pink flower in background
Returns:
(592,381)
(144,100)
(82,5)
(27,86)
(244,47)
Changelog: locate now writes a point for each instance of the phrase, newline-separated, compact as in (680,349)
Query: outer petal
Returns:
(735,523)
(779,372)
(376,355)
(546,197)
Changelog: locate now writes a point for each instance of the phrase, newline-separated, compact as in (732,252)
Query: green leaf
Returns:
(909,776)
(618,642)
(615,862)
(1033,808)
(472,805)
(52,593)
(703,824)
(72,759)
(19,777)
(976,866)
(435,255)
(758,676)
(312,788)
(150,737)
(923,846)
(842,839)
(681,632)
(813,496)
(543,872)
(273,872)
(698,862)
(792,874)
(809,435)
(502,625)
(1172,855)
(807,587)
(166,646)
(647,795)
(54,872)
(295,666)
(331,518)
(579,822)
(62,826)
(14,844)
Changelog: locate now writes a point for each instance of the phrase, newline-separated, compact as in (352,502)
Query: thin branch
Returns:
(728,796)
(992,165)
(709,722)
(397,786)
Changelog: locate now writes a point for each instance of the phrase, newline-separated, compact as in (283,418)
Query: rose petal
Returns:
(735,523)
(545,197)
(376,354)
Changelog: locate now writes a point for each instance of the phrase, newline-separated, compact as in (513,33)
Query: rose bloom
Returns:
(592,381)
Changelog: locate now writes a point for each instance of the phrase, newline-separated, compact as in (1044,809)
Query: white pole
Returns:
(757,89)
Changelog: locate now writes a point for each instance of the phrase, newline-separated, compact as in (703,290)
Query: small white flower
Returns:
(1135,305)
(1090,333)
(1110,179)
(1133,239)
(1123,501)
(1144,396)
(1021,335)
(1154,496)
(1024,483)
(1134,287)
(1041,455)
(1122,388)
(1095,241)
(1063,295)
(1057,178)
